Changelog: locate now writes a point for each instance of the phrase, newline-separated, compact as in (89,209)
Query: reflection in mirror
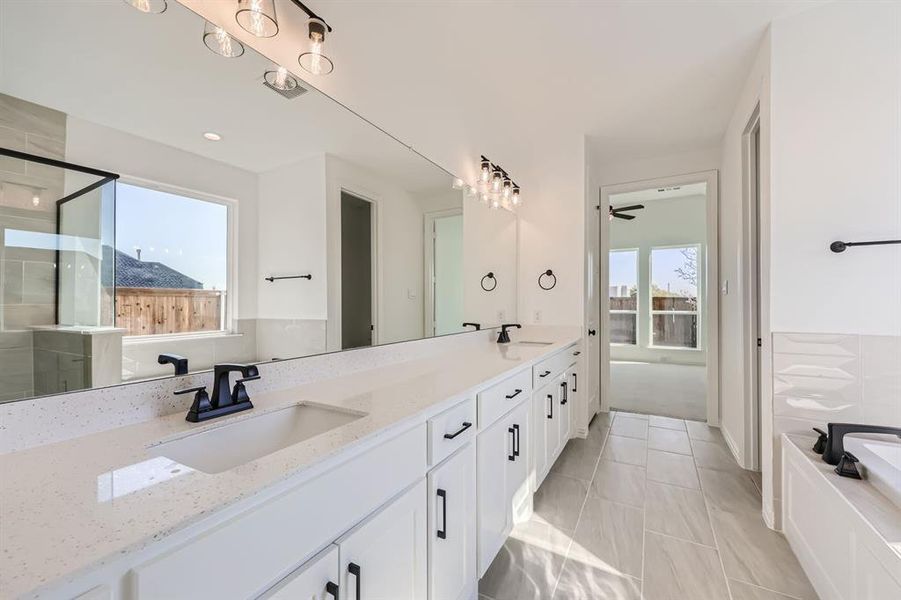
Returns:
(217,219)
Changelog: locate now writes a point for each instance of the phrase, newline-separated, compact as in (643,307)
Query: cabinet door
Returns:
(495,450)
(552,416)
(565,397)
(518,485)
(385,557)
(539,436)
(452,527)
(578,412)
(316,579)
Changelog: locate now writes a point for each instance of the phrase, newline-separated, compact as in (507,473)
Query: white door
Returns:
(495,450)
(316,579)
(539,436)
(452,527)
(385,557)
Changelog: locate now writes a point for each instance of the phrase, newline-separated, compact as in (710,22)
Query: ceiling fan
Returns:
(619,212)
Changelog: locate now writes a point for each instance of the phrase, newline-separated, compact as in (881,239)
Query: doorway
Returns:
(443,247)
(357,323)
(752,343)
(659,297)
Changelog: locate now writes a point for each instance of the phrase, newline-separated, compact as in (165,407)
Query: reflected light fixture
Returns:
(496,180)
(220,42)
(315,61)
(515,199)
(212,136)
(280,79)
(148,6)
(471,192)
(36,198)
(257,17)
(508,187)
(458,183)
(485,172)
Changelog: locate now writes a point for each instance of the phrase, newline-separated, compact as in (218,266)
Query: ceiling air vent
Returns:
(290,94)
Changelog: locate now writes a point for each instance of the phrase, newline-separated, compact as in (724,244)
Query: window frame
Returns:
(230,306)
(637,310)
(699,294)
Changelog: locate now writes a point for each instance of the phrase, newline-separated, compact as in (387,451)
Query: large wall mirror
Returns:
(191,208)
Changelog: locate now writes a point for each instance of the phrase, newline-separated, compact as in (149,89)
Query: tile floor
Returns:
(649,508)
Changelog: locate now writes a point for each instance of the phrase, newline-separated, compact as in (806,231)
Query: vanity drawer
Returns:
(550,367)
(501,397)
(267,542)
(451,430)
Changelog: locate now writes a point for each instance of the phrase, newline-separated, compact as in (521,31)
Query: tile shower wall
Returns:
(822,378)
(27,203)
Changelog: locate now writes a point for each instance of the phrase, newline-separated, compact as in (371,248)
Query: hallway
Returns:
(646,507)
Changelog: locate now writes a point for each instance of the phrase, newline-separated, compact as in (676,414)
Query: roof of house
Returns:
(131,272)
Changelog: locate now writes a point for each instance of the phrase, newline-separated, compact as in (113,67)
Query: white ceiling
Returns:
(150,75)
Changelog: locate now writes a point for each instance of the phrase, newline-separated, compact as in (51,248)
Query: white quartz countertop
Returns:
(70,507)
(882,515)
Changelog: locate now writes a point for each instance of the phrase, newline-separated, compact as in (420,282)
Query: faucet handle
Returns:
(820,446)
(847,466)
(200,405)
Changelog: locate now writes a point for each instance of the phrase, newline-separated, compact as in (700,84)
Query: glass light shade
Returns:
(257,17)
(483,197)
(148,6)
(280,79)
(496,182)
(508,188)
(457,184)
(220,42)
(471,192)
(495,202)
(315,61)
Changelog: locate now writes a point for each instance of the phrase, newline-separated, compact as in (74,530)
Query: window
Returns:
(674,297)
(171,257)
(624,297)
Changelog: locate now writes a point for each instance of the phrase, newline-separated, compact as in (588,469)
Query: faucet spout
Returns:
(222,391)
(835,447)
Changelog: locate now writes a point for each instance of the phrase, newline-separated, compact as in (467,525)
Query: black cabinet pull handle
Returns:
(577,353)
(516,440)
(575,382)
(450,436)
(442,533)
(545,374)
(592,332)
(354,569)
(550,398)
(514,394)
(512,432)
(332,588)
(564,389)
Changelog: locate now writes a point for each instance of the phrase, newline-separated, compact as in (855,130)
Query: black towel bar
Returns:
(842,246)
(271,279)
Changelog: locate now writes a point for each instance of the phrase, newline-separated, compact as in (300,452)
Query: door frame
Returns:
(374,263)
(711,274)
(751,274)
(428,263)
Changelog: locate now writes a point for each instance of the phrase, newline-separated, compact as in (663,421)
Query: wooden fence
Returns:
(150,311)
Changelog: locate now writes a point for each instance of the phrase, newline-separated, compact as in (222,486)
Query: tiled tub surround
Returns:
(822,378)
(85,503)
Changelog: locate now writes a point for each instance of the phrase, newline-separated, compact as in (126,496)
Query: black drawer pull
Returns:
(575,382)
(577,353)
(514,394)
(354,569)
(442,533)
(564,389)
(450,436)
(512,432)
(550,398)
(545,374)
(332,588)
(516,440)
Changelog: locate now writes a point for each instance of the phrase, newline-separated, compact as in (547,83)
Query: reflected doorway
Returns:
(444,264)
(357,323)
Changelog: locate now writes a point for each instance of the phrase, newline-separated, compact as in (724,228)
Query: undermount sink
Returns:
(226,447)
(531,343)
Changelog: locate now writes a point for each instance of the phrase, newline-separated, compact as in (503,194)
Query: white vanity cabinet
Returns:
(317,579)
(453,544)
(503,483)
(385,556)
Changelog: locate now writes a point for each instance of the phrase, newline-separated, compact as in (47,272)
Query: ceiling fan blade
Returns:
(631,207)
(626,217)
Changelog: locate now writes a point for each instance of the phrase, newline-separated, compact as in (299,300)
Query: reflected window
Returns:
(171,262)
(624,297)
(674,297)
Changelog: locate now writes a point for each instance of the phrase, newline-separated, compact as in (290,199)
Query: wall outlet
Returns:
(537,316)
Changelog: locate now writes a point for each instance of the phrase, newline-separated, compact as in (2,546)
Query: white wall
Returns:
(665,222)
(489,245)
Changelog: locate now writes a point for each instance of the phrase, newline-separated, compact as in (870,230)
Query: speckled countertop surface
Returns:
(72,506)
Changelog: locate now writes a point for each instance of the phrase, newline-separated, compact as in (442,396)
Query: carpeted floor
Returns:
(659,389)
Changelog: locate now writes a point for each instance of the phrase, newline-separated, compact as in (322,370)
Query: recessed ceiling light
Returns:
(212,136)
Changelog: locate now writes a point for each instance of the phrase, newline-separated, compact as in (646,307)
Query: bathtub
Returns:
(880,456)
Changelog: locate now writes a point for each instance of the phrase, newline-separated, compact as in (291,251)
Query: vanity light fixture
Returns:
(314,61)
(257,17)
(485,172)
(280,79)
(515,199)
(494,186)
(220,42)
(212,136)
(496,180)
(149,6)
(508,187)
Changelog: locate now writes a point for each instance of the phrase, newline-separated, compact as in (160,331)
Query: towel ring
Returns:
(490,276)
(547,273)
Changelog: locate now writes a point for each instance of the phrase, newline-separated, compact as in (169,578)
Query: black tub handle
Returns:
(442,533)
(450,436)
(514,394)
(354,569)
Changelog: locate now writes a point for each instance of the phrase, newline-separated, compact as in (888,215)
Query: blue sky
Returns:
(623,265)
(189,235)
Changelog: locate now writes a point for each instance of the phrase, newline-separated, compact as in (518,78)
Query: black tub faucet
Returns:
(504,337)
(835,449)
(478,326)
(179,362)
(225,400)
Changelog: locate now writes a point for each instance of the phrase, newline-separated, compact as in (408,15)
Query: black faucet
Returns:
(834,448)
(504,337)
(179,362)
(225,400)
(476,325)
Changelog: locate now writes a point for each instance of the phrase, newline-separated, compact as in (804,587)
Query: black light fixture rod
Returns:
(842,246)
(310,13)
(271,279)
